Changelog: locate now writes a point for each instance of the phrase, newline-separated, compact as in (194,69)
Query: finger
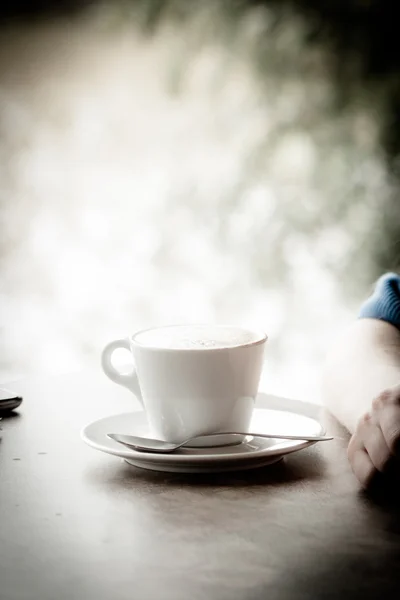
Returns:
(376,447)
(357,439)
(355,444)
(362,467)
(376,405)
(389,421)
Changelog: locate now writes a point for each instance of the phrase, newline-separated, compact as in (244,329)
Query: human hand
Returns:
(376,440)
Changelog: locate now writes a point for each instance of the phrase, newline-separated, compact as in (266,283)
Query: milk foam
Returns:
(196,337)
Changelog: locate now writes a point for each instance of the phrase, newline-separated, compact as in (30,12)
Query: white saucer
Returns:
(281,416)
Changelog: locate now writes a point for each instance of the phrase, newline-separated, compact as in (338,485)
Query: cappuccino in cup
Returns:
(195,337)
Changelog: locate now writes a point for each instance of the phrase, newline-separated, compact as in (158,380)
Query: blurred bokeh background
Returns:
(171,161)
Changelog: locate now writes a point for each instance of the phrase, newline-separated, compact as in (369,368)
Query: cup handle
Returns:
(128,380)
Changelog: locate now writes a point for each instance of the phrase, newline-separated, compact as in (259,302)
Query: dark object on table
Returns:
(8,401)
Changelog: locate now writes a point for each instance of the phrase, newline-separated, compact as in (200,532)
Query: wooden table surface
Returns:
(80,524)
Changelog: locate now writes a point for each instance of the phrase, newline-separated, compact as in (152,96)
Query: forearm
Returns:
(362,363)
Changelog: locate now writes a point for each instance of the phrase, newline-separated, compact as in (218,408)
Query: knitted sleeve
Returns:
(384,303)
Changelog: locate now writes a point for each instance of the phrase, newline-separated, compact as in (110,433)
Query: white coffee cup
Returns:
(192,380)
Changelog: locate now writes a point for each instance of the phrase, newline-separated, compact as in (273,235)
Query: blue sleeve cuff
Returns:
(384,304)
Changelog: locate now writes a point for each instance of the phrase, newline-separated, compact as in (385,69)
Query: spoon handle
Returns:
(299,438)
